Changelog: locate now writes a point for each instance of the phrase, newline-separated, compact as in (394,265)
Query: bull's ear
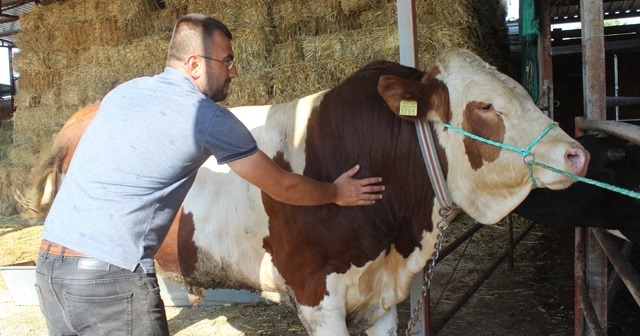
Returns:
(430,95)
(396,89)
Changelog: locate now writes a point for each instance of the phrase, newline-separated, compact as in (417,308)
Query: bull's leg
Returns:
(387,325)
(326,319)
(323,322)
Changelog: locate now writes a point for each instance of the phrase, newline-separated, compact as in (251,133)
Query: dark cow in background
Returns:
(613,161)
(345,269)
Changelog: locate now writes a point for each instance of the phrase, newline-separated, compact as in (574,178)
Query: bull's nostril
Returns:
(579,159)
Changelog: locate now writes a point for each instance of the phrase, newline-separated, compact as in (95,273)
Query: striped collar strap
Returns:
(430,156)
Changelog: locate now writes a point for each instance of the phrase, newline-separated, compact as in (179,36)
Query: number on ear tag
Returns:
(408,108)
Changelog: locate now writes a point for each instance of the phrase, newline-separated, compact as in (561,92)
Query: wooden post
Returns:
(594,89)
(546,78)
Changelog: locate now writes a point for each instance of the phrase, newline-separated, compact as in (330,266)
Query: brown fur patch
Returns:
(178,253)
(440,97)
(481,119)
(52,163)
(353,125)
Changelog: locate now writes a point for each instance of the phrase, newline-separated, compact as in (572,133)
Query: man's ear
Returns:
(193,65)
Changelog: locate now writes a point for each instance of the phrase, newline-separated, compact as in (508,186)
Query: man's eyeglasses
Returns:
(228,63)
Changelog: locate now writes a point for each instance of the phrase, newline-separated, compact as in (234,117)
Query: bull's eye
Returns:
(487,107)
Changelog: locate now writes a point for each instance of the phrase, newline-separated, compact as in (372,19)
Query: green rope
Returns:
(617,189)
(526,153)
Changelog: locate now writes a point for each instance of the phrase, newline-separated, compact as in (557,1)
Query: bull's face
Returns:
(466,93)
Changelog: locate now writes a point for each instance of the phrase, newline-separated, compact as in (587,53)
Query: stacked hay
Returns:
(73,52)
(8,172)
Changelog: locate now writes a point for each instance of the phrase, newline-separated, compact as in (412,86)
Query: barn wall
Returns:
(568,91)
(73,52)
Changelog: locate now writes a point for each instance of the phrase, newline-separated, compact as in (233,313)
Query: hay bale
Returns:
(73,52)
(8,179)
(364,45)
(6,139)
(236,14)
(252,47)
(250,89)
(294,18)
(298,80)
(31,22)
(82,35)
(39,79)
(357,6)
(384,15)
(35,126)
(154,22)
(442,25)
(288,52)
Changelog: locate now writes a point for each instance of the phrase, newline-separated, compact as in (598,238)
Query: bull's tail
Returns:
(45,178)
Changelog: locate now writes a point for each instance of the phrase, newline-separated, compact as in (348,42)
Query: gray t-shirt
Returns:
(134,165)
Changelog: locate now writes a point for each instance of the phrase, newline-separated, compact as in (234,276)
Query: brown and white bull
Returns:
(345,269)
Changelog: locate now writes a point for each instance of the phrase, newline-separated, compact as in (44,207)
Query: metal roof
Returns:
(10,11)
(564,11)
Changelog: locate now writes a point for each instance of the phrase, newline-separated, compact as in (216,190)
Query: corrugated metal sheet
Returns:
(569,10)
(10,11)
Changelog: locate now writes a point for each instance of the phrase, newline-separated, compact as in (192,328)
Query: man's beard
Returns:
(216,94)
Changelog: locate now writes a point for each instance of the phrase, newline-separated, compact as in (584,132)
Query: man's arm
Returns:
(296,189)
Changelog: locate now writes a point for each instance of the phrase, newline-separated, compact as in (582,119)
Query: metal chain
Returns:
(442,226)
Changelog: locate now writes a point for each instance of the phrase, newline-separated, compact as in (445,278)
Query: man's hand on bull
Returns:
(352,192)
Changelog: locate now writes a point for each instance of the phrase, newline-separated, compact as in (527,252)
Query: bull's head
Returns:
(466,93)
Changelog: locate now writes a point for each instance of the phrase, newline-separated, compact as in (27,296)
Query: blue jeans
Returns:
(86,296)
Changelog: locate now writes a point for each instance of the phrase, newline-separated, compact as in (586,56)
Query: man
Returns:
(129,175)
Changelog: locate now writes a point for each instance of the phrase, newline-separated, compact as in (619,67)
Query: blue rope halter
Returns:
(529,159)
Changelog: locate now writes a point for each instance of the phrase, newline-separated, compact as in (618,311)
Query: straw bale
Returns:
(82,35)
(26,99)
(34,20)
(33,128)
(124,10)
(53,60)
(357,6)
(492,34)
(87,84)
(288,52)
(40,80)
(142,24)
(247,13)
(443,25)
(323,8)
(73,52)
(9,179)
(251,89)
(204,7)
(36,30)
(365,45)
(101,68)
(298,80)
(6,138)
(384,15)
(252,47)
(145,56)
(71,11)
(236,14)
(292,18)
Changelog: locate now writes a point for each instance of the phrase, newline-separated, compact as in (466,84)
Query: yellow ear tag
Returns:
(408,108)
